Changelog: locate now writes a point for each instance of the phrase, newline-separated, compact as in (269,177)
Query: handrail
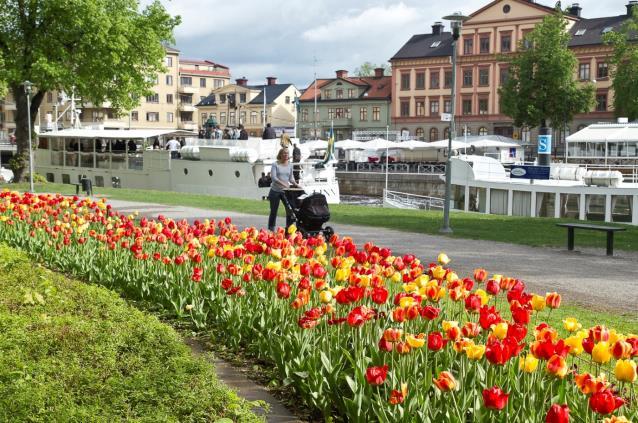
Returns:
(413,201)
(404,168)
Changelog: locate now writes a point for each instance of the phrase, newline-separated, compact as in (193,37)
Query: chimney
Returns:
(630,7)
(437,28)
(575,9)
(378,72)
(272,80)
(242,82)
(342,73)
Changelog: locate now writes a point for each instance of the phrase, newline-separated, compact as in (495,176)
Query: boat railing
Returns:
(629,172)
(412,201)
(404,168)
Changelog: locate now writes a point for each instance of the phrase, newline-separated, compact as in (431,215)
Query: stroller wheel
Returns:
(328,232)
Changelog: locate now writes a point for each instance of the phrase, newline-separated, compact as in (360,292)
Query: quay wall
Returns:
(373,183)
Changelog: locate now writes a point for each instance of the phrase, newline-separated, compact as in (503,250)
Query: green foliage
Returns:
(74,352)
(541,81)
(367,69)
(624,62)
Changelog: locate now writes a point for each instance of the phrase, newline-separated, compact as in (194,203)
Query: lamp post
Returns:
(456,22)
(27,90)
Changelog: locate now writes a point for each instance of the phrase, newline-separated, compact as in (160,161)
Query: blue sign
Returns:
(529,172)
(544,144)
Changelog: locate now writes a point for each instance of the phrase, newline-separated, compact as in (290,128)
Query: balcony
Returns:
(8,106)
(187,126)
(187,89)
(187,107)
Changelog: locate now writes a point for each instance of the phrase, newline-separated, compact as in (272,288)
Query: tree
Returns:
(367,69)
(98,49)
(541,84)
(623,65)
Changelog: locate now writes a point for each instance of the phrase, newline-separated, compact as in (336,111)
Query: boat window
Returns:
(498,201)
(595,207)
(458,197)
(99,181)
(237,173)
(477,199)
(43,143)
(210,172)
(66,179)
(545,204)
(570,206)
(50,177)
(185,171)
(621,208)
(522,203)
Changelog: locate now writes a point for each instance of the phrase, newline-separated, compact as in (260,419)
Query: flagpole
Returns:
(265,106)
(387,138)
(315,113)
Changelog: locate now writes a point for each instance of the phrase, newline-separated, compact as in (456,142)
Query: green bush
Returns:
(74,352)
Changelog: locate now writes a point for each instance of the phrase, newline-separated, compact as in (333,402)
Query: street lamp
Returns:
(456,22)
(27,89)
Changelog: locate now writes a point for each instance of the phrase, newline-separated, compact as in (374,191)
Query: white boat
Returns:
(481,184)
(125,159)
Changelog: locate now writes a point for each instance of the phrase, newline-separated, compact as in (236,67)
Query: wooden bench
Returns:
(609,229)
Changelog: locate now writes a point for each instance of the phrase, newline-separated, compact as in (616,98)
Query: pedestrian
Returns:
(173,146)
(282,179)
(243,134)
(156,144)
(269,133)
(296,158)
(285,139)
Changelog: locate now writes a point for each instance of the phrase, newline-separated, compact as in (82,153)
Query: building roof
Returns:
(527,2)
(272,93)
(170,49)
(591,30)
(376,88)
(426,45)
(201,63)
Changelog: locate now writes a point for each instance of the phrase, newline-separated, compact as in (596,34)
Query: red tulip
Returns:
(497,352)
(283,290)
(494,398)
(520,314)
(480,275)
(488,317)
(379,295)
(435,341)
(473,303)
(376,375)
(430,312)
(605,402)
(492,287)
(557,414)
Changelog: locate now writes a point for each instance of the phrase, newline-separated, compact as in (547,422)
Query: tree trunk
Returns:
(20,162)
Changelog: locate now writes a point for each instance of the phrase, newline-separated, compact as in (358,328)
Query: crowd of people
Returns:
(229,133)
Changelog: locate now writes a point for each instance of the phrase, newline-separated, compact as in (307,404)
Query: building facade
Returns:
(251,106)
(422,72)
(183,84)
(348,103)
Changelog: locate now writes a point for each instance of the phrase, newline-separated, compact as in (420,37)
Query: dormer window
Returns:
(607,29)
(435,44)
(580,32)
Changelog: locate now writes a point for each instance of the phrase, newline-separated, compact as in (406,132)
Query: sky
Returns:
(290,39)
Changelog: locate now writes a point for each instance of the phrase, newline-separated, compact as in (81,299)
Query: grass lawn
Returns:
(76,352)
(515,230)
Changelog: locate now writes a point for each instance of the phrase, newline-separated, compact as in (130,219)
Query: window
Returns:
(447,106)
(242,97)
(447,82)
(253,117)
(242,117)
(170,117)
(467,78)
(420,107)
(434,134)
(583,71)
(304,115)
(434,107)
(363,113)
(484,77)
(467,106)
(339,93)
(287,100)
(602,70)
(484,45)
(153,98)
(405,108)
(466,131)
(435,44)
(219,83)
(580,32)
(169,98)
(186,98)
(152,117)
(135,116)
(222,98)
(376,113)
(419,83)
(446,133)
(169,80)
(482,106)
(434,80)
(350,93)
(202,82)
(168,61)
(482,130)
(503,77)
(231,118)
(468,46)
(405,81)
(186,80)
(222,118)
(327,94)
(601,102)
(419,133)
(204,117)
(506,43)
(49,97)
(331,113)
(527,42)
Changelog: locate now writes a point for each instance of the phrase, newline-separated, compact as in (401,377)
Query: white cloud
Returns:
(372,22)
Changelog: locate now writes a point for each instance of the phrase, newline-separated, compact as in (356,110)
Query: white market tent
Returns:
(414,145)
(315,145)
(350,145)
(379,144)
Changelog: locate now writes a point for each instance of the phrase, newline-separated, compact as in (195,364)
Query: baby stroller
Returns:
(308,212)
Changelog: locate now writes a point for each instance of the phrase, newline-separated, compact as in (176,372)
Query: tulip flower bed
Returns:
(355,331)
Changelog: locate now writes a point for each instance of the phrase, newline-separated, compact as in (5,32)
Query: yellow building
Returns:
(240,103)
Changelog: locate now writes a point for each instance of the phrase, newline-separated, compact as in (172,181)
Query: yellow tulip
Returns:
(600,353)
(292,229)
(614,336)
(483,296)
(406,302)
(396,277)
(538,302)
(422,281)
(325,296)
(616,419)
(475,352)
(528,364)
(341,275)
(364,281)
(497,278)
(571,324)
(409,287)
(416,341)
(575,343)
(500,330)
(448,324)
(451,277)
(443,259)
(438,272)
(625,371)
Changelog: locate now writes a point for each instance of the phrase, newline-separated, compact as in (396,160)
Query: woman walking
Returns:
(282,178)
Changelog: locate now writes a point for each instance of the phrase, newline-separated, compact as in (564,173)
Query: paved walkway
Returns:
(588,277)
